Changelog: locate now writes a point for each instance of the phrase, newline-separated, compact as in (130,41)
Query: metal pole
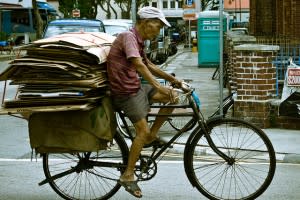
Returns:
(189,33)
(133,11)
(240,11)
(221,8)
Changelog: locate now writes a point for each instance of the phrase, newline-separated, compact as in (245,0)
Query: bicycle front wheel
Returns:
(250,169)
(87,175)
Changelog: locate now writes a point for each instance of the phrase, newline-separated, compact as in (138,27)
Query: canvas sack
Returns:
(73,131)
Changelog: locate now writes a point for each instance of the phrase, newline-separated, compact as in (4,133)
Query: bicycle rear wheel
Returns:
(250,170)
(121,126)
(81,176)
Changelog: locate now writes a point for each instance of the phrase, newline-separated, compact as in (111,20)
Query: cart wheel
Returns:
(87,175)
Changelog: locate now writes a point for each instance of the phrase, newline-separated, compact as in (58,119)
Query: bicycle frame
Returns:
(223,144)
(196,115)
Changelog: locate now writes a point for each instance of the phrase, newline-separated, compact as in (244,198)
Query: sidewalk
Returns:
(185,65)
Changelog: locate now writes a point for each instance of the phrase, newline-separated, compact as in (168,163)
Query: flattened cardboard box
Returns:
(73,131)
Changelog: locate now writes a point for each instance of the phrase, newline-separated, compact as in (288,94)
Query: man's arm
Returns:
(145,72)
(156,71)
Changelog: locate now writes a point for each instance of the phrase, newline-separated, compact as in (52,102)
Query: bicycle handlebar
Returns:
(185,88)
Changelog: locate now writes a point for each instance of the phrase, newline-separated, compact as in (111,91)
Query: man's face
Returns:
(152,28)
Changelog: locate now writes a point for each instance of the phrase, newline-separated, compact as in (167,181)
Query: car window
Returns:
(59,29)
(114,30)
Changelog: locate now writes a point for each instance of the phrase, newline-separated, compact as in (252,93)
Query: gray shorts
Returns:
(135,107)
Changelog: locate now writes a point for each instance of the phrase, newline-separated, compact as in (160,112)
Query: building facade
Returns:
(275,17)
(237,9)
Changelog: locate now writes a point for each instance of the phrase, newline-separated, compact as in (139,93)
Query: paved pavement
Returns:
(185,65)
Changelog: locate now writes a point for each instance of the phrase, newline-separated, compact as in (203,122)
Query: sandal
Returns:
(131,187)
(156,143)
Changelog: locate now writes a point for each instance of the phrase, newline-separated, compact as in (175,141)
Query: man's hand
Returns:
(164,90)
(176,83)
(170,93)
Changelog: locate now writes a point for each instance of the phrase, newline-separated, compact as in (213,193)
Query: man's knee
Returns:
(142,130)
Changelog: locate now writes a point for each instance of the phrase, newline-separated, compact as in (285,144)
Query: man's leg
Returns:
(138,143)
(160,120)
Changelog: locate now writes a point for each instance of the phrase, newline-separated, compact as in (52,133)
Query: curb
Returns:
(180,51)
(7,57)
(291,158)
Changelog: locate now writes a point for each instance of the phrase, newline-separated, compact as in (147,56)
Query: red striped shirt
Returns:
(122,75)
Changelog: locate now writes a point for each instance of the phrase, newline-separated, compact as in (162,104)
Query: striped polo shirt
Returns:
(122,75)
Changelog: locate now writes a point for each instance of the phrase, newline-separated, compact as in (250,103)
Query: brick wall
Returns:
(251,73)
(262,17)
(275,17)
(255,82)
(231,41)
(282,121)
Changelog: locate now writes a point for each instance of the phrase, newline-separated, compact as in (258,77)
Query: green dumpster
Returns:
(209,38)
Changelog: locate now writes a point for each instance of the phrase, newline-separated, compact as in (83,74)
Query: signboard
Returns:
(293,76)
(291,82)
(189,10)
(76,13)
(189,14)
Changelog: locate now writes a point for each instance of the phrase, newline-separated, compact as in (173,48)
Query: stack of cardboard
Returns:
(67,69)
(62,84)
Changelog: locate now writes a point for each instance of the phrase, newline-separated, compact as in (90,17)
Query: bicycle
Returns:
(224,158)
(177,123)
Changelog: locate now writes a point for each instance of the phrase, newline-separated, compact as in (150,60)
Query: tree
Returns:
(107,7)
(88,8)
(209,4)
(125,6)
(39,21)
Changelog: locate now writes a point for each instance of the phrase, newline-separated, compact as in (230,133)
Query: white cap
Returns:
(149,12)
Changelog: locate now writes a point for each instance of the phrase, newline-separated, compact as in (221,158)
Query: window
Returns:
(172,4)
(154,4)
(165,4)
(180,4)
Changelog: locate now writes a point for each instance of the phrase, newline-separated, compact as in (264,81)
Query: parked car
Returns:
(158,49)
(127,21)
(60,26)
(240,31)
(116,26)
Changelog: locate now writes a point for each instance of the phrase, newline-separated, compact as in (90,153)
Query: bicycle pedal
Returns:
(159,143)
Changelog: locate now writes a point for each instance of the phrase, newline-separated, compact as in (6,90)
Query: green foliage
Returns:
(88,8)
(212,4)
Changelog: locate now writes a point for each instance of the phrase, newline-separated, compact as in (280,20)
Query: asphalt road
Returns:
(19,176)
(19,181)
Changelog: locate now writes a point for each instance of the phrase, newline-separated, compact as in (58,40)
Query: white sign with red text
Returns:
(293,76)
(291,82)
